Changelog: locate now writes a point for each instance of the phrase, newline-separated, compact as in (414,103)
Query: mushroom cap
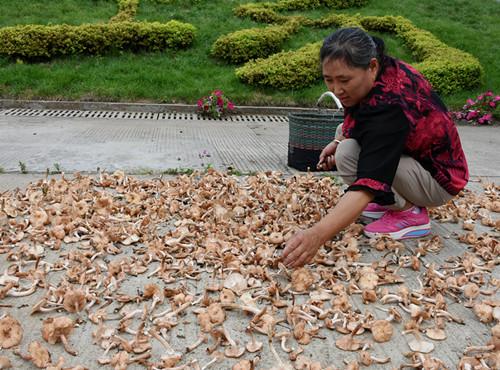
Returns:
(368,279)
(302,279)
(382,331)
(234,351)
(254,346)
(348,343)
(54,327)
(495,331)
(471,290)
(216,313)
(11,332)
(419,345)
(236,282)
(40,356)
(242,365)
(5,363)
(74,300)
(436,333)
(484,312)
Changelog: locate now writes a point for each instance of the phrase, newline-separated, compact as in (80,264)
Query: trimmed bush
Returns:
(447,69)
(127,9)
(261,12)
(252,43)
(33,42)
(285,70)
(289,69)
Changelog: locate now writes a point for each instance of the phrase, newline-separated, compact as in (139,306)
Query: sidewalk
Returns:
(161,142)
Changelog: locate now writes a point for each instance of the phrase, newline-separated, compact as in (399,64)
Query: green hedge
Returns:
(244,45)
(290,69)
(261,12)
(33,42)
(127,9)
(447,69)
(285,70)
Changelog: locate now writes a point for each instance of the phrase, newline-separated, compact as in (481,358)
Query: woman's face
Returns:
(349,84)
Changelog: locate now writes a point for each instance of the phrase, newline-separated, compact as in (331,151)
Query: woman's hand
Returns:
(301,248)
(327,156)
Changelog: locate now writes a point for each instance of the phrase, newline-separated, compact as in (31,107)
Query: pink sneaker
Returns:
(412,223)
(373,210)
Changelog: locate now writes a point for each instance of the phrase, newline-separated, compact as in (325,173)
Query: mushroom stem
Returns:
(168,347)
(470,349)
(201,339)
(67,348)
(208,364)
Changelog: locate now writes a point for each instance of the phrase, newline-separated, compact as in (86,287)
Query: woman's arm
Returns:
(302,247)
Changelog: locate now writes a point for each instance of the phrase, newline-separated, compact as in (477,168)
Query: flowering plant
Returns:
(479,111)
(215,105)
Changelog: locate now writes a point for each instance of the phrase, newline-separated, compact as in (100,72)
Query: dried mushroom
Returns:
(11,332)
(57,329)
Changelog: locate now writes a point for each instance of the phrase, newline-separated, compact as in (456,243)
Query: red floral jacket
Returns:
(403,115)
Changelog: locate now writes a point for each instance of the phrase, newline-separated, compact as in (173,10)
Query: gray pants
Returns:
(412,183)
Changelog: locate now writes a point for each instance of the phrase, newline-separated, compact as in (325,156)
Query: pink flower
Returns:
(220,102)
(200,103)
(230,105)
(489,93)
(470,101)
(471,115)
(217,93)
(492,104)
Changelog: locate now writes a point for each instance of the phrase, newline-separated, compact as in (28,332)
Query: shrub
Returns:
(127,9)
(285,70)
(243,45)
(34,42)
(447,69)
(262,13)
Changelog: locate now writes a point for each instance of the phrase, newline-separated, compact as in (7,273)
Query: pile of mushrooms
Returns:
(140,260)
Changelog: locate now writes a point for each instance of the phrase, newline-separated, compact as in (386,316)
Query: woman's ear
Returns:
(373,68)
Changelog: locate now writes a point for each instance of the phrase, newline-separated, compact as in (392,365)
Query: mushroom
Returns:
(367,359)
(243,365)
(55,329)
(253,345)
(302,279)
(368,278)
(37,354)
(11,332)
(201,339)
(216,313)
(471,291)
(74,300)
(172,357)
(234,351)
(155,292)
(236,282)
(348,342)
(5,363)
(435,333)
(419,345)
(227,296)
(484,312)
(382,331)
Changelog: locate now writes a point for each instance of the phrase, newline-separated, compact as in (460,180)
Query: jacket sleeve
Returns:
(381,132)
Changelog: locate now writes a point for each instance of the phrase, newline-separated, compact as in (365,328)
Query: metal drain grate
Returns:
(19,112)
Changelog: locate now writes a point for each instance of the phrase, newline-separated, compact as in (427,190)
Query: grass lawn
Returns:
(185,76)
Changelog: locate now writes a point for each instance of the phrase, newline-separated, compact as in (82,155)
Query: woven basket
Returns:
(309,133)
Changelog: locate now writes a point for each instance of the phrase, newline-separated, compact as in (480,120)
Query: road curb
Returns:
(140,107)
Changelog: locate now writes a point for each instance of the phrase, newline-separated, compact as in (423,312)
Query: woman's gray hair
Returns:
(353,46)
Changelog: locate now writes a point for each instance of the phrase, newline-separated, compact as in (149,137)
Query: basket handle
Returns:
(331,95)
